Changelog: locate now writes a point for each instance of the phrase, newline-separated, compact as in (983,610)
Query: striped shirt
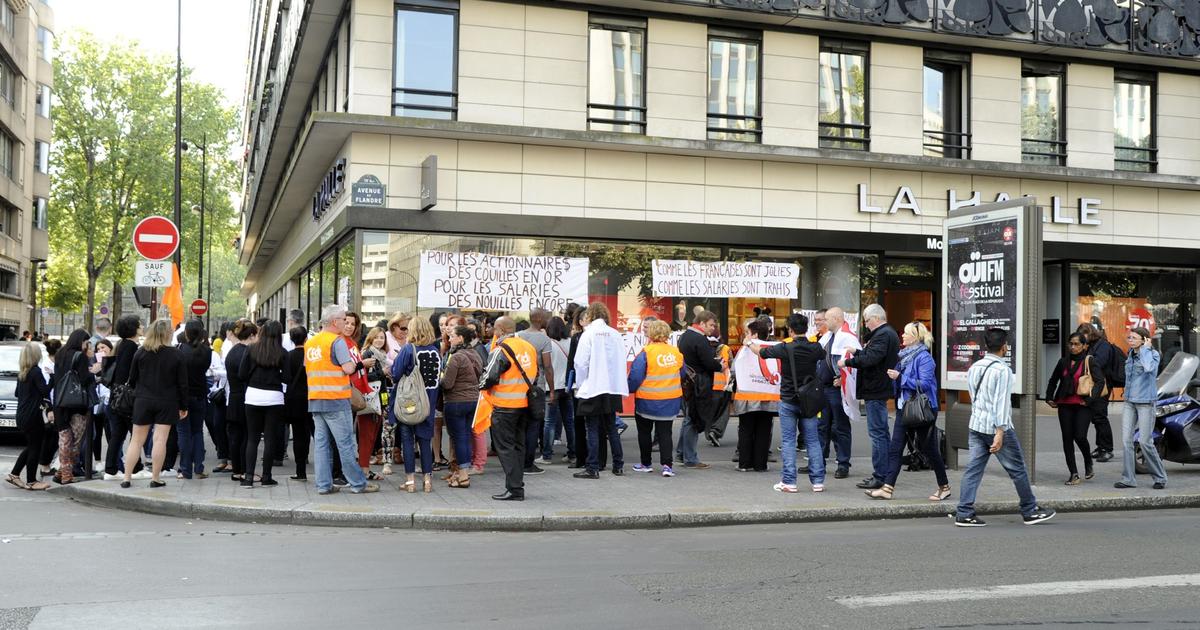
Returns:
(991,394)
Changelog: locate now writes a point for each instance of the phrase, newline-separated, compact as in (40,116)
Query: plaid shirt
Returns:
(991,394)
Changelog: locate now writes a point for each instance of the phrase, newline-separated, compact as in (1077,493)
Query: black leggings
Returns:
(264,422)
(754,439)
(302,430)
(662,434)
(1073,421)
(35,433)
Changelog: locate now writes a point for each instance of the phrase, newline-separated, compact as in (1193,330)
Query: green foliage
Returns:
(63,287)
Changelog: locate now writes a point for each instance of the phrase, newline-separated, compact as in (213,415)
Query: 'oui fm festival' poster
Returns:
(982,293)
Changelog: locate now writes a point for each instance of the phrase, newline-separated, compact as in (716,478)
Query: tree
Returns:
(114,158)
(62,288)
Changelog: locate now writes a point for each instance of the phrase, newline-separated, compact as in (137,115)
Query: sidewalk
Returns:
(716,496)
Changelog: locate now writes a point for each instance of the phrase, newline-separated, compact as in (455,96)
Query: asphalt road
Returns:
(68,565)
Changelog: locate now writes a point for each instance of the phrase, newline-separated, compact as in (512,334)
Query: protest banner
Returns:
(686,278)
(471,280)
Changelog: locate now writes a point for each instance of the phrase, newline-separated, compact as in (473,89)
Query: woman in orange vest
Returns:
(655,380)
(756,398)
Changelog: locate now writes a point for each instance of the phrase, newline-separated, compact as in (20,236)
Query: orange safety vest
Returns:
(721,379)
(512,392)
(326,380)
(663,362)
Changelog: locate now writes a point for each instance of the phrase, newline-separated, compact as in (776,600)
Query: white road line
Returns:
(1019,590)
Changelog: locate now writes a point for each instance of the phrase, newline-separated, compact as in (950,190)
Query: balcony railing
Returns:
(843,136)
(424,103)
(1140,159)
(1036,151)
(621,118)
(734,127)
(948,144)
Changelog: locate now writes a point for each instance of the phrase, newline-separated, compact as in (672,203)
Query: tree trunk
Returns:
(118,297)
(91,303)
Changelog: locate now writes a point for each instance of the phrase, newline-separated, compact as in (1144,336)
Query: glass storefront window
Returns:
(345,273)
(1117,298)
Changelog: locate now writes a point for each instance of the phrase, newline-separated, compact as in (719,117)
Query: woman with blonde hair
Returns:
(421,353)
(655,379)
(915,374)
(33,394)
(160,394)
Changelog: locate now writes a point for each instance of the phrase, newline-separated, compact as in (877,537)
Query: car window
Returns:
(10,357)
(8,388)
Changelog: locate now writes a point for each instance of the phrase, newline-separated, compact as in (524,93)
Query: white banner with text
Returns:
(686,278)
(470,280)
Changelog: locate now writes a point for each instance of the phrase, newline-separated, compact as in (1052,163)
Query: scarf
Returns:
(907,354)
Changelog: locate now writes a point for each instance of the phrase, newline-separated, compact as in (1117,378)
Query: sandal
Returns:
(460,482)
(372,476)
(223,468)
(410,486)
(16,481)
(884,492)
(943,493)
(428,483)
(38,485)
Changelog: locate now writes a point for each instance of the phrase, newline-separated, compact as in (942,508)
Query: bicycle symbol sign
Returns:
(152,273)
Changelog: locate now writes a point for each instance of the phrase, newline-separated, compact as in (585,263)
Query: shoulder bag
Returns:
(537,397)
(410,404)
(809,395)
(69,391)
(1086,382)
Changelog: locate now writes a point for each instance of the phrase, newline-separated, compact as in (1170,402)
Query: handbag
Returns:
(535,395)
(120,400)
(809,395)
(69,392)
(358,402)
(918,413)
(1086,382)
(371,398)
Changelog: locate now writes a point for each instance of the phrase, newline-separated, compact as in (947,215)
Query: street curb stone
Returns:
(306,513)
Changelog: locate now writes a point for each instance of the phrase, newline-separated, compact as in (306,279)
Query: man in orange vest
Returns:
(507,384)
(328,366)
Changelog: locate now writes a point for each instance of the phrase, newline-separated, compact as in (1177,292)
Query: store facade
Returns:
(365,192)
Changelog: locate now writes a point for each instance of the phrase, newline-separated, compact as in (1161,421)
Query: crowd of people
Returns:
(429,393)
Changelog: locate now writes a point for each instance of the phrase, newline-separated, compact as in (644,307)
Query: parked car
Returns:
(10,353)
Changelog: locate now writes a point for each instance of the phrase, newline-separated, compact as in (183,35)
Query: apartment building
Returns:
(835,134)
(26,81)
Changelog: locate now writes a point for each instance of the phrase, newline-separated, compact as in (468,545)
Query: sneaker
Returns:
(142,474)
(668,471)
(740,469)
(1039,516)
(567,459)
(841,473)
(331,490)
(621,429)
(619,472)
(786,487)
(370,487)
(818,487)
(969,521)
(697,466)
(543,461)
(1104,456)
(1160,485)
(341,482)
(534,470)
(116,477)
(643,469)
(586,474)
(558,442)
(97,466)
(713,439)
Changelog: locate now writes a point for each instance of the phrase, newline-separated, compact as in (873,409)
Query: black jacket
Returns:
(1102,357)
(698,354)
(32,392)
(160,376)
(806,355)
(1058,387)
(295,399)
(75,361)
(122,360)
(197,361)
(264,377)
(880,353)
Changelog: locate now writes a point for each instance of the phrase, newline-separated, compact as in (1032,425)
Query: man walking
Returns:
(512,364)
(880,353)
(329,366)
(701,361)
(537,337)
(836,341)
(990,383)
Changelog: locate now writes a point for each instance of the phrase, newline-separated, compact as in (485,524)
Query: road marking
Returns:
(1009,591)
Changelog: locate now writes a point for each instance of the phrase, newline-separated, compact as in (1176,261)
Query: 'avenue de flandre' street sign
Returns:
(155,238)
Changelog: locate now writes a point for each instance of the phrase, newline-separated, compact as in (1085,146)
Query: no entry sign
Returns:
(156,238)
(199,307)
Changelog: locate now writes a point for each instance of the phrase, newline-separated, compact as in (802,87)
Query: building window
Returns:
(842,100)
(8,156)
(1042,130)
(41,213)
(617,75)
(424,84)
(8,283)
(8,20)
(1133,123)
(9,80)
(41,156)
(733,87)
(43,100)
(945,106)
(45,44)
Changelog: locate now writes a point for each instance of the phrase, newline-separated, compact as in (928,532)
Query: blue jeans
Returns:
(336,428)
(560,414)
(688,439)
(1010,457)
(835,427)
(459,416)
(608,422)
(926,441)
(789,423)
(191,437)
(1140,417)
(877,430)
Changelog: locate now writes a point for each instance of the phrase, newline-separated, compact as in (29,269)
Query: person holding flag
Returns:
(841,405)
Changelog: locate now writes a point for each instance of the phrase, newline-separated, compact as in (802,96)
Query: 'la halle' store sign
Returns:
(1087,212)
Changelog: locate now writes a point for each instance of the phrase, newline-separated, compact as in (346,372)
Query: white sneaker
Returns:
(116,477)
(542,461)
(142,474)
(558,442)
(786,487)
(97,466)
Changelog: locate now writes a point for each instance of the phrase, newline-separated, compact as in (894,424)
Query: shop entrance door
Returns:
(911,291)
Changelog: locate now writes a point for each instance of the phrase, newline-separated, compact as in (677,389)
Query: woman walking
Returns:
(1141,391)
(160,395)
(198,358)
(422,354)
(461,384)
(655,380)
(264,371)
(71,420)
(295,403)
(915,374)
(1075,409)
(33,395)
(242,334)
(756,399)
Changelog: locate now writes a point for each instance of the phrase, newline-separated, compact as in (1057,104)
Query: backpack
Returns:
(1114,372)
(410,403)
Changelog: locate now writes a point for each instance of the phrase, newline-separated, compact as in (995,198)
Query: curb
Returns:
(448,519)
